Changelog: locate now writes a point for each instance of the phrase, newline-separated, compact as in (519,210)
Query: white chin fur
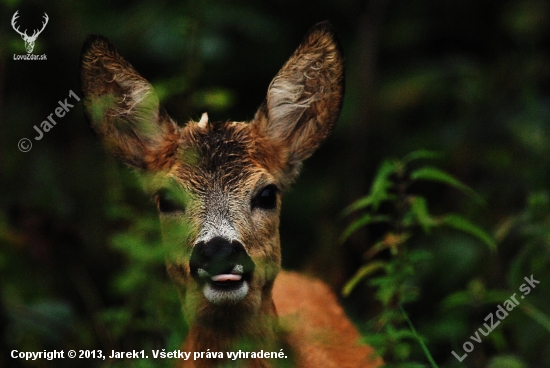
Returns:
(216,296)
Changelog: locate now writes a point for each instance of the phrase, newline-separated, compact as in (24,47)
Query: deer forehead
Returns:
(230,157)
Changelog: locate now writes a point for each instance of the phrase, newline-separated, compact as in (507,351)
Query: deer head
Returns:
(218,185)
(29,40)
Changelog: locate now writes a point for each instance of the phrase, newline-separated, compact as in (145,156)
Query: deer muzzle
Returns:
(223,268)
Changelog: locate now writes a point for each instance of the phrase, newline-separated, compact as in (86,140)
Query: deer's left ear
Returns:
(304,99)
(123,109)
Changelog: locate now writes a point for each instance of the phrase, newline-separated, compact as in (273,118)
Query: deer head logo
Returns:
(29,40)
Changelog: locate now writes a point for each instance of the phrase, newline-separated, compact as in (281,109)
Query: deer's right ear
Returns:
(304,99)
(123,109)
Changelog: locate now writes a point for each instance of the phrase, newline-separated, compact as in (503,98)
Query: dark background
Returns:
(80,265)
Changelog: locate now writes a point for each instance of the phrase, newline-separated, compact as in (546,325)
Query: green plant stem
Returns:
(419,339)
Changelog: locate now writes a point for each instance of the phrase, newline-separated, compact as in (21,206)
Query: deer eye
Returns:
(266,199)
(167,202)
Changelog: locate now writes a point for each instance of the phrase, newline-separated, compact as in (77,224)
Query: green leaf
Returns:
(457,299)
(460,223)
(420,155)
(388,287)
(360,275)
(434,174)
(506,361)
(357,205)
(382,183)
(419,208)
(379,190)
(367,202)
(357,224)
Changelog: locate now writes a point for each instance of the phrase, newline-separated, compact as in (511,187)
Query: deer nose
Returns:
(220,259)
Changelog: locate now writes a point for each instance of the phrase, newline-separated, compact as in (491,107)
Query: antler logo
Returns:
(29,40)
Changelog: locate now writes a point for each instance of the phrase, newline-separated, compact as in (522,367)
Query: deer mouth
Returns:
(229,279)
(225,287)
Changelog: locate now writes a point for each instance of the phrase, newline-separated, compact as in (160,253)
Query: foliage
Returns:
(149,314)
(407,214)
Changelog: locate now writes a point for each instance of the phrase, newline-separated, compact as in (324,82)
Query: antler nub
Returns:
(204,120)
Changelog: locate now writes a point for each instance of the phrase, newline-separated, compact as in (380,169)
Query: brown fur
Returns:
(318,327)
(213,172)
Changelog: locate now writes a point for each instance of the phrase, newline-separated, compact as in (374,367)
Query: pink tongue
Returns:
(226,277)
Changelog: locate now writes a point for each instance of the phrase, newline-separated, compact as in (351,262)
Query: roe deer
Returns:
(218,191)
